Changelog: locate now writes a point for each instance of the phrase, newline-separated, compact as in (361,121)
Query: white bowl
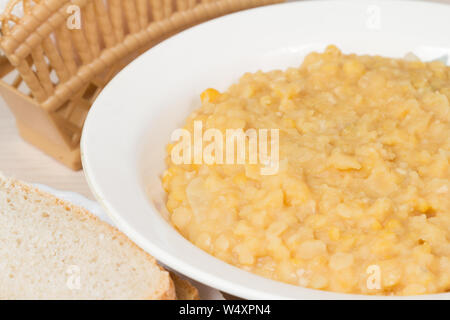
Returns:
(127,129)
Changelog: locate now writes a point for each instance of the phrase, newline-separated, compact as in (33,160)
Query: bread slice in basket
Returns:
(51,249)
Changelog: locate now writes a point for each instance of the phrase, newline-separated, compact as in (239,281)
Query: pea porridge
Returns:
(360,201)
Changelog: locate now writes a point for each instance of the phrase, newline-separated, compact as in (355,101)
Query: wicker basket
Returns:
(51,74)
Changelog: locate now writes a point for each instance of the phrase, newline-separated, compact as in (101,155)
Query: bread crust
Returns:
(184,289)
(166,289)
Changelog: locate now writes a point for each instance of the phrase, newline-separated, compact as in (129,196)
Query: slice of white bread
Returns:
(51,249)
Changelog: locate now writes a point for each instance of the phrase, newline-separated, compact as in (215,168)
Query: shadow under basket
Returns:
(52,73)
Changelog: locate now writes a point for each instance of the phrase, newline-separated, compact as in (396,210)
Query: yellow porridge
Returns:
(360,202)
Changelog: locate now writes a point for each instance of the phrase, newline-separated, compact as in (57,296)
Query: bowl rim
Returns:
(181,265)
